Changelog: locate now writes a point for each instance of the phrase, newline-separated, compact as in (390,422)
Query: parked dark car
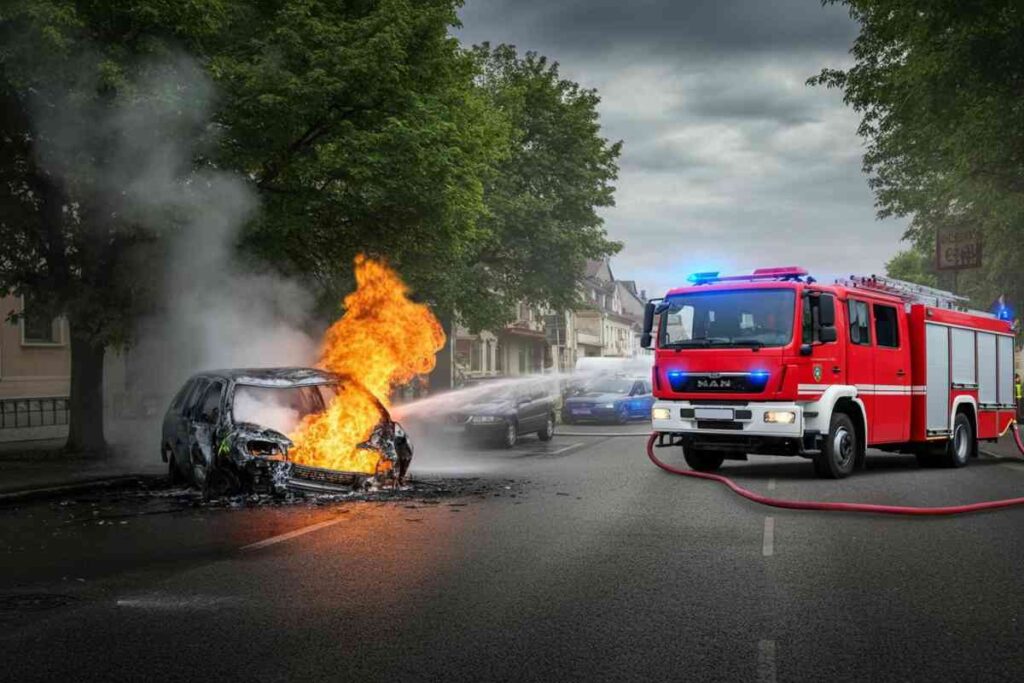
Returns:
(610,399)
(501,415)
(224,431)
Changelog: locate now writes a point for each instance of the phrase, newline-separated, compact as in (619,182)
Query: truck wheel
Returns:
(702,461)
(960,446)
(839,453)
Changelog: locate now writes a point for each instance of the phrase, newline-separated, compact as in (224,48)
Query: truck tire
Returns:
(960,445)
(839,453)
(702,461)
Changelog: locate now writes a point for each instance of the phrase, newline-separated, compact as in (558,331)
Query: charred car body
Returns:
(225,432)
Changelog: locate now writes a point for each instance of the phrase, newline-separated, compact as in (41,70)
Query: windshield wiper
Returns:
(696,341)
(753,343)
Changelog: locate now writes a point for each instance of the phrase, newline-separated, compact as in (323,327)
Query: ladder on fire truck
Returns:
(911,292)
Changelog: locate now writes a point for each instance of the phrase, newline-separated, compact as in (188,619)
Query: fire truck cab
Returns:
(775,363)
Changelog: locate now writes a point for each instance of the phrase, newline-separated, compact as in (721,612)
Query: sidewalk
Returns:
(1004,448)
(27,472)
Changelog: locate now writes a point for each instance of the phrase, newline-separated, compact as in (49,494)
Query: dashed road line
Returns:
(768,546)
(564,449)
(766,672)
(292,534)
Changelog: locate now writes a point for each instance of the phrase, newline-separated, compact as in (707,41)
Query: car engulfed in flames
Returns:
(240,431)
(305,428)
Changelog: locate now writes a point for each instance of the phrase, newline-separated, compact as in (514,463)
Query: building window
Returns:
(37,325)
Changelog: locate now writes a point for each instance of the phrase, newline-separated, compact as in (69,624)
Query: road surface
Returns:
(575,559)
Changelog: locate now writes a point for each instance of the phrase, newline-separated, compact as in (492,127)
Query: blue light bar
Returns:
(697,278)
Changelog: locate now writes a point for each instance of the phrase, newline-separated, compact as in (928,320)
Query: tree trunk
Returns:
(443,373)
(85,433)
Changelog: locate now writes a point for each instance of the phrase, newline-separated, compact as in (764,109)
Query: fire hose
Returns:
(841,507)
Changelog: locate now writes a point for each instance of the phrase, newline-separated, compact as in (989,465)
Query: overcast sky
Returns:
(730,162)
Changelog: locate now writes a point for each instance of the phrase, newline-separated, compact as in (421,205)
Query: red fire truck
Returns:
(776,363)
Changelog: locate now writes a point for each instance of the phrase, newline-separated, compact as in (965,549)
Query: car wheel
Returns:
(198,471)
(959,448)
(549,429)
(221,482)
(173,473)
(703,461)
(839,454)
(511,436)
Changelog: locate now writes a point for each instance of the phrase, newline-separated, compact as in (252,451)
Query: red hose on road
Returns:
(839,507)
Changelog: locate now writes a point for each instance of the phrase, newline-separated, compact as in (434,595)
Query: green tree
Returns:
(68,244)
(937,83)
(542,222)
(911,265)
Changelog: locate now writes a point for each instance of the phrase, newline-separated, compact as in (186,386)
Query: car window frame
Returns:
(220,400)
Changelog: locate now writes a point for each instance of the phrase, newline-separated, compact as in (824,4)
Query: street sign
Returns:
(957,249)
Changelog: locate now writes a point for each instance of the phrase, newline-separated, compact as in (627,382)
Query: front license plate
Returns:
(581,411)
(454,429)
(713,413)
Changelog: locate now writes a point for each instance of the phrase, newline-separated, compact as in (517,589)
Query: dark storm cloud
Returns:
(730,161)
(678,27)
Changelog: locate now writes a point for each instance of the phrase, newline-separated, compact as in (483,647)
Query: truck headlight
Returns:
(661,414)
(782,417)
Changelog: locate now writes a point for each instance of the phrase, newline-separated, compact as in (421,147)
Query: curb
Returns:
(45,492)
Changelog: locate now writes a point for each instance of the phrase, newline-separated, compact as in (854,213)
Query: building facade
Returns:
(35,373)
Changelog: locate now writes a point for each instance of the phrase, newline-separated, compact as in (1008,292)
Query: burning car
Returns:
(228,431)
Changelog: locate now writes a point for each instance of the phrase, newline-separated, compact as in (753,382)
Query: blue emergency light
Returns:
(700,278)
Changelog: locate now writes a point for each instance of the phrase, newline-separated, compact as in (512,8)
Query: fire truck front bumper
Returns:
(775,428)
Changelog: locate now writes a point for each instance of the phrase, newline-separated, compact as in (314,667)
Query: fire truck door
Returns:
(890,420)
(860,358)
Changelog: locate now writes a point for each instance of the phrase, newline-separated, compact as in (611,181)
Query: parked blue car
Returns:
(610,399)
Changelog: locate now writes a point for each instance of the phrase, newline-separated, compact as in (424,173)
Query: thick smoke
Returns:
(138,162)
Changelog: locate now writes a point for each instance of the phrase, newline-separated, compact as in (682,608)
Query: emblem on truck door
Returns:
(817,373)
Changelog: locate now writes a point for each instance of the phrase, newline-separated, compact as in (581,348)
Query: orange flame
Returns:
(384,339)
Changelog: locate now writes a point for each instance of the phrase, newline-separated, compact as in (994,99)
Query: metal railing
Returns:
(19,413)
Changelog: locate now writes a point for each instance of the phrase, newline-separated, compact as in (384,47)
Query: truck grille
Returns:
(718,383)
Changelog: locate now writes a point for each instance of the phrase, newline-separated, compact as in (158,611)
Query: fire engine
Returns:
(776,363)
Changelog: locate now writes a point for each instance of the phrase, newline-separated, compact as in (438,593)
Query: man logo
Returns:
(817,373)
(711,383)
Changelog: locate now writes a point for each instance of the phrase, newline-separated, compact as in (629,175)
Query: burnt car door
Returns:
(202,446)
(183,422)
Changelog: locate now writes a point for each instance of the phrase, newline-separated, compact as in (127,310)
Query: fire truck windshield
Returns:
(752,317)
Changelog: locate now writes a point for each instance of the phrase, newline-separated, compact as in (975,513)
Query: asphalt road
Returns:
(575,559)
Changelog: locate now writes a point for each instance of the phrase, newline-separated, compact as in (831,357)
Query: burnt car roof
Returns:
(273,377)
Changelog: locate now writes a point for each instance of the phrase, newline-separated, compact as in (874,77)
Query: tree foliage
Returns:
(938,85)
(912,266)
(362,126)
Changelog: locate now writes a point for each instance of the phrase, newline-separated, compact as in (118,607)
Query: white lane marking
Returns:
(768,547)
(292,534)
(766,661)
(771,483)
(165,602)
(564,449)
(1013,466)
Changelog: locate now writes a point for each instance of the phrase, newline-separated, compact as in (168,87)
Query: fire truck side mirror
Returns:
(827,335)
(645,337)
